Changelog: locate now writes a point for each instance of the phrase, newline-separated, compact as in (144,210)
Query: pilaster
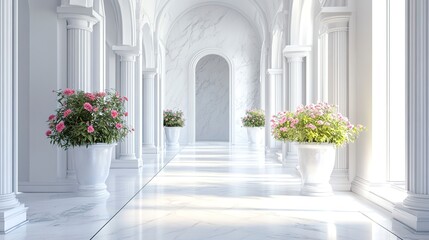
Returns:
(149,111)
(296,78)
(334,80)
(80,22)
(12,212)
(273,105)
(414,211)
(127,152)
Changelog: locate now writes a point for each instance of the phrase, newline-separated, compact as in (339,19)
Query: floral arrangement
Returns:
(254,118)
(87,118)
(318,123)
(173,118)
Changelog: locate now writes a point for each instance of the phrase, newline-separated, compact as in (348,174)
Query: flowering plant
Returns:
(254,118)
(314,123)
(173,118)
(87,118)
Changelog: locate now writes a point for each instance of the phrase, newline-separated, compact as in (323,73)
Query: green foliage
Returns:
(173,118)
(83,119)
(314,123)
(254,118)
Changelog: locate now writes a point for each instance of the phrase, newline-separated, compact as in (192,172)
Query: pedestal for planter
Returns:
(92,169)
(255,136)
(172,135)
(316,162)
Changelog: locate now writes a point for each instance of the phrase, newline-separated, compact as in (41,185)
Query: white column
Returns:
(414,211)
(334,82)
(138,93)
(127,151)
(295,93)
(79,55)
(273,105)
(149,111)
(12,212)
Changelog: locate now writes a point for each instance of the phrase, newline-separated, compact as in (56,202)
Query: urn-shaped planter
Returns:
(92,169)
(172,135)
(255,136)
(316,163)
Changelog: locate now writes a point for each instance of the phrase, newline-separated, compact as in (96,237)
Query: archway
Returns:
(212,99)
(192,92)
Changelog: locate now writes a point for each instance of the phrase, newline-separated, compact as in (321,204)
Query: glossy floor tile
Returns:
(207,191)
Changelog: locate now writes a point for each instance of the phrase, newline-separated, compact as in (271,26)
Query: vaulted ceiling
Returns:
(164,13)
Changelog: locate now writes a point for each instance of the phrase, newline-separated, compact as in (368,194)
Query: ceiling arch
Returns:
(169,11)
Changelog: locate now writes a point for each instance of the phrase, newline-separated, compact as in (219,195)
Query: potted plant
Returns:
(254,121)
(91,124)
(173,122)
(318,129)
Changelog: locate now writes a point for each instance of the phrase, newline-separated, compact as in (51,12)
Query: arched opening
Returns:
(212,99)
(192,88)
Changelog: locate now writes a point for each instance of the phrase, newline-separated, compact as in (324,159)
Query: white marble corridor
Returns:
(210,191)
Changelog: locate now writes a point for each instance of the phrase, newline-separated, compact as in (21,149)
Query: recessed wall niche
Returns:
(212,99)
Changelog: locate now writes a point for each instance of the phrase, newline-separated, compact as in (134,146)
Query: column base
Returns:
(340,180)
(126,163)
(12,218)
(59,186)
(290,161)
(418,220)
(149,149)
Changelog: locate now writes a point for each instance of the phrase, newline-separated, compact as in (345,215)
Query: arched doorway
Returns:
(212,99)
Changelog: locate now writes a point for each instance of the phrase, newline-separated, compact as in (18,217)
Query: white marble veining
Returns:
(221,192)
(54,216)
(212,191)
(214,27)
(212,99)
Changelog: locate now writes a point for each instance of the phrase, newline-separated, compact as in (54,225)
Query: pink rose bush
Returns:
(78,121)
(173,118)
(254,118)
(315,123)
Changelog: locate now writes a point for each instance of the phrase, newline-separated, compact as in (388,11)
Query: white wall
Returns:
(42,65)
(221,28)
(212,99)
(23,90)
(363,86)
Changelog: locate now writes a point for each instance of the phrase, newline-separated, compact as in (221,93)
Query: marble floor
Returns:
(209,191)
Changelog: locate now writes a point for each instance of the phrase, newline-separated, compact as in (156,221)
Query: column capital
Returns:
(149,72)
(295,52)
(127,53)
(79,17)
(334,22)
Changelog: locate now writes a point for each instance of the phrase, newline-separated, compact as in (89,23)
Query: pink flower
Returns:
(95,109)
(114,113)
(283,129)
(87,106)
(118,126)
(51,117)
(126,99)
(68,92)
(126,114)
(90,129)
(310,126)
(48,133)
(60,126)
(101,94)
(67,112)
(320,122)
(90,96)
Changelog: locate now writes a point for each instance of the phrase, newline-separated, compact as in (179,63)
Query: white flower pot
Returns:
(92,169)
(172,135)
(255,136)
(316,162)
